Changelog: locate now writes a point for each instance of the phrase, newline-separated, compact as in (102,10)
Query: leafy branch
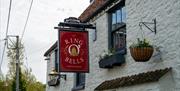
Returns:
(141,43)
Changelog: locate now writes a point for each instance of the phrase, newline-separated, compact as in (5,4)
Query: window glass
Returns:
(118,14)
(113,18)
(79,81)
(82,78)
(124,14)
(119,39)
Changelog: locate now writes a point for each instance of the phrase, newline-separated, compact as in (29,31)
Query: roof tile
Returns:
(91,9)
(140,78)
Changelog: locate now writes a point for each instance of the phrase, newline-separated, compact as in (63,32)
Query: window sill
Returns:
(78,88)
(122,51)
(113,60)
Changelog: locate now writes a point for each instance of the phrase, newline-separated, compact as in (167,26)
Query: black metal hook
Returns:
(148,23)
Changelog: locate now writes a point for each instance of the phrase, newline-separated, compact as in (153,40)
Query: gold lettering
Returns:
(78,61)
(71,40)
(70,61)
(67,59)
(75,40)
(82,60)
(74,61)
(66,41)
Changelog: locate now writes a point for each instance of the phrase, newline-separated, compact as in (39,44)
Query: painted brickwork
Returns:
(167,39)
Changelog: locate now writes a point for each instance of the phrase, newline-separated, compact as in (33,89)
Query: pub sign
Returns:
(73,51)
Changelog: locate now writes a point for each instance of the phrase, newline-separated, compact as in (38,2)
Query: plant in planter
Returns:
(107,54)
(141,51)
(110,59)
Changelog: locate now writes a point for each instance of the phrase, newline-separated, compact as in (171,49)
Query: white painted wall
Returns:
(50,66)
(167,13)
(168,26)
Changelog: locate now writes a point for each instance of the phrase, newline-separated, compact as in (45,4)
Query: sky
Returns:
(40,34)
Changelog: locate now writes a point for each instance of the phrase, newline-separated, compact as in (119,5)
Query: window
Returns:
(123,14)
(79,82)
(118,29)
(56,61)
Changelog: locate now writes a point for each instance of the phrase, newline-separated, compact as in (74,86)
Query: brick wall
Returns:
(167,39)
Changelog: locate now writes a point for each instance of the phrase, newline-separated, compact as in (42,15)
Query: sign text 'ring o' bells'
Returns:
(73,51)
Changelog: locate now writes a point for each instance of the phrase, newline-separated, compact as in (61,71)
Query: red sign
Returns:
(74,51)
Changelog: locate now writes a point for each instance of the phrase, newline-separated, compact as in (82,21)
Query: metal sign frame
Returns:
(86,67)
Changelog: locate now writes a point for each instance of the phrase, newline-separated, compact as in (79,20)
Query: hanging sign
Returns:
(74,51)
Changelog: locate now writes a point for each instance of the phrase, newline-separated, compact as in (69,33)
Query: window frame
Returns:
(79,83)
(117,27)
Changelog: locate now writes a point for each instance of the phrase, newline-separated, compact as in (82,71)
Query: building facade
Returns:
(118,25)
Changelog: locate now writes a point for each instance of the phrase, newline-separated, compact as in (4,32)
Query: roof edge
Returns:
(50,49)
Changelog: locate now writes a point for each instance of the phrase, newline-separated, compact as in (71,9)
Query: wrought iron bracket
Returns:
(149,23)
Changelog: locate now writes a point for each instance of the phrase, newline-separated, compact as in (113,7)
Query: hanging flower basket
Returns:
(142,51)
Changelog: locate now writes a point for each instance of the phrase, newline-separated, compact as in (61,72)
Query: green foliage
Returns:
(141,43)
(4,85)
(36,86)
(13,85)
(11,55)
(27,81)
(1,85)
(22,82)
(106,54)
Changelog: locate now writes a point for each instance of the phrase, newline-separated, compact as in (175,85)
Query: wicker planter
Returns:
(141,54)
